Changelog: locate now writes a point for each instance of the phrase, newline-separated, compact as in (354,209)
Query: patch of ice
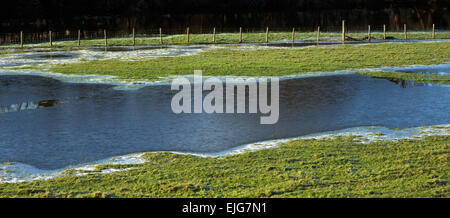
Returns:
(45,57)
(18,172)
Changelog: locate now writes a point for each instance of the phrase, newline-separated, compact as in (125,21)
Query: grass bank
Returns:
(269,62)
(333,167)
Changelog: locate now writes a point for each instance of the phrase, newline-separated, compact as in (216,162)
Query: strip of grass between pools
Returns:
(329,167)
(268,62)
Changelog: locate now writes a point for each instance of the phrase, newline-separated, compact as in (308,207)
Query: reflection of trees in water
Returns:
(31,105)
(404,83)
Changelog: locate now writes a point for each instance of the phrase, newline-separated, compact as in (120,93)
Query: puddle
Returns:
(99,122)
(49,55)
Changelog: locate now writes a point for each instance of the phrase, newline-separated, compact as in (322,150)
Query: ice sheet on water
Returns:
(18,172)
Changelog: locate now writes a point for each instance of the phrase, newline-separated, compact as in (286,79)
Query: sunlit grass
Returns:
(340,167)
(269,62)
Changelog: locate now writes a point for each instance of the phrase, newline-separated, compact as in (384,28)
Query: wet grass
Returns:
(181,39)
(333,167)
(433,78)
(269,62)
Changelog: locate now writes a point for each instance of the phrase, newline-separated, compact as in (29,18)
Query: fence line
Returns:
(78,36)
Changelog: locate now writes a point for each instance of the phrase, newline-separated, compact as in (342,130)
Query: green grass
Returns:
(434,78)
(232,38)
(269,62)
(336,167)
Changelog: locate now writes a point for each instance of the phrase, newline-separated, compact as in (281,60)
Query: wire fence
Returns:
(215,35)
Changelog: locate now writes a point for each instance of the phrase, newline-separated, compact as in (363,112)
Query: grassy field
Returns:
(269,62)
(233,38)
(334,167)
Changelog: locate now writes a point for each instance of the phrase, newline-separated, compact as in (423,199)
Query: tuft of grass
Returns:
(333,167)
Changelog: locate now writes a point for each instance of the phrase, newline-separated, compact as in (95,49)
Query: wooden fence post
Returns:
(214,35)
(50,38)
(134,37)
(79,38)
(267,34)
(106,38)
(187,33)
(384,31)
(293,35)
(160,36)
(318,34)
(404,29)
(433,35)
(21,39)
(368,33)
(343,31)
(240,34)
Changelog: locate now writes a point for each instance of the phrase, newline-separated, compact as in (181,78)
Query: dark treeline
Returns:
(201,15)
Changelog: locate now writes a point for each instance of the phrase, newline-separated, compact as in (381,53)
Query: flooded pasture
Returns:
(50,124)
(39,56)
